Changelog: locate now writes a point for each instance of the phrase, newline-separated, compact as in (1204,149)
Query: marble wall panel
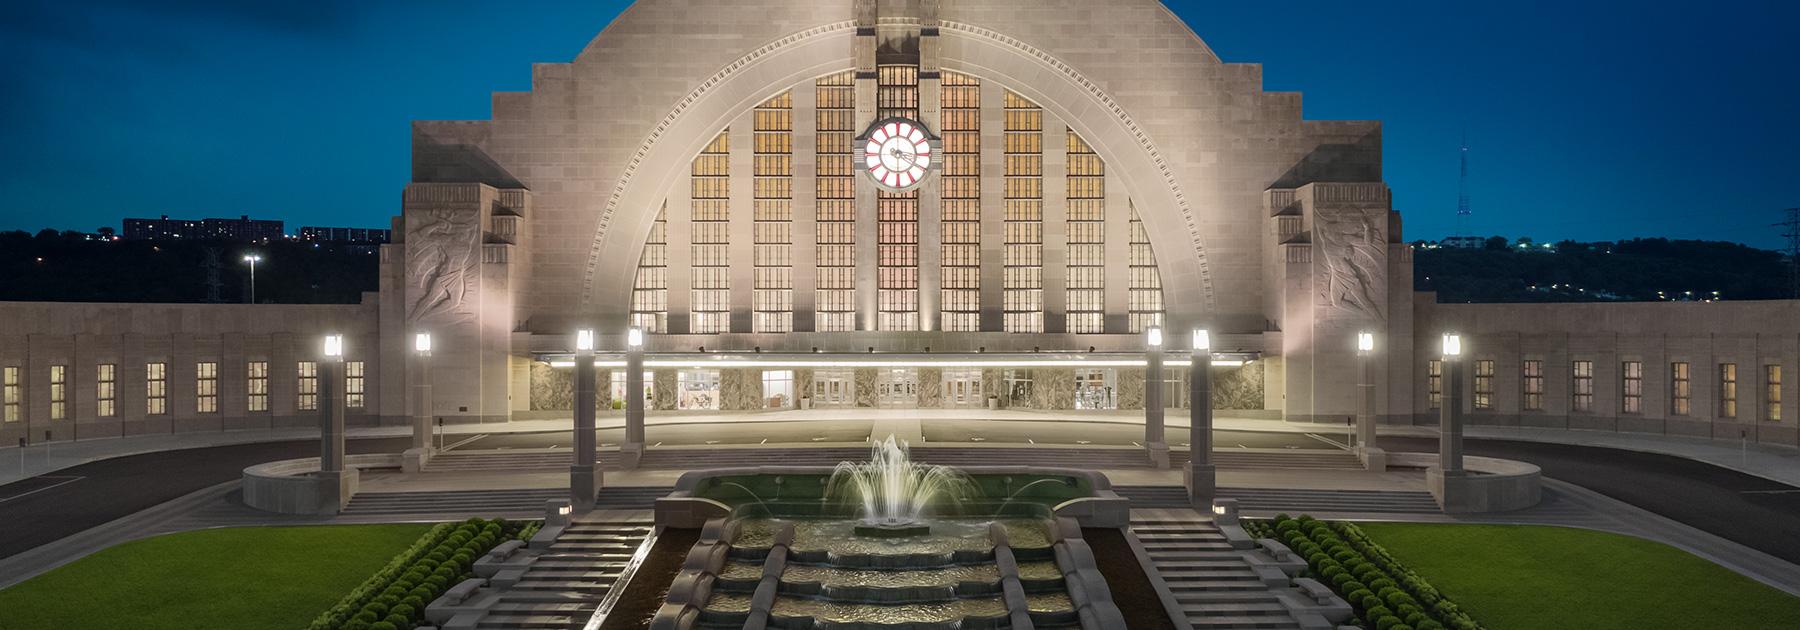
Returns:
(931,387)
(664,391)
(865,387)
(1131,388)
(1239,387)
(552,389)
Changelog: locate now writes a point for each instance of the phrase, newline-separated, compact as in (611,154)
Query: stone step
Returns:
(1246,622)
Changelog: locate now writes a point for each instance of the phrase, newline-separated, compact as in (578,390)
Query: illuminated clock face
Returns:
(897,153)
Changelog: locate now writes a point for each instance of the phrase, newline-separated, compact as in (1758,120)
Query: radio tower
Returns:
(1462,192)
(1791,228)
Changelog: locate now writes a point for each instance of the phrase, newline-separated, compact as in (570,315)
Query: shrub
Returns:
(383,625)
(394,598)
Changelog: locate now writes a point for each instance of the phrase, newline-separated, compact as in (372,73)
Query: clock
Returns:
(897,153)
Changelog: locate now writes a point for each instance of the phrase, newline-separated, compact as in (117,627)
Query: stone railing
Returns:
(293,486)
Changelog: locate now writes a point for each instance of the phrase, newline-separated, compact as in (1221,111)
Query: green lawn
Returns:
(1530,578)
(241,578)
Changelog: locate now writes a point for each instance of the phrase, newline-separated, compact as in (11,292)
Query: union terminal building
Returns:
(906,204)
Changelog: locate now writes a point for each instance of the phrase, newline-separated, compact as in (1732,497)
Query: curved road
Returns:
(1749,510)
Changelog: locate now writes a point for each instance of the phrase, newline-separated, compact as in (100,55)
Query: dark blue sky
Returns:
(1588,120)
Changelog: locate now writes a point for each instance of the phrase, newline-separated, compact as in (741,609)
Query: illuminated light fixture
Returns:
(1219,510)
(563,510)
(1365,341)
(422,343)
(1452,344)
(584,339)
(334,345)
(634,337)
(1154,336)
(1202,339)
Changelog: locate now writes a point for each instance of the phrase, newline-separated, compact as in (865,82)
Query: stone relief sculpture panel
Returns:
(443,256)
(1352,256)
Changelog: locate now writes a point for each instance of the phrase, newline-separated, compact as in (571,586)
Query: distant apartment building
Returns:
(372,236)
(1464,242)
(242,229)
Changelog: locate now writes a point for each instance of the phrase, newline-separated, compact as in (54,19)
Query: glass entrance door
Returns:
(897,387)
(833,388)
(962,389)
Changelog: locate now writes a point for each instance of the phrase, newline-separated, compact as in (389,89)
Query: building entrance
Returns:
(897,388)
(962,389)
(834,388)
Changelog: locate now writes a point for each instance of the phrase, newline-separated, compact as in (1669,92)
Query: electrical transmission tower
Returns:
(1791,230)
(212,275)
(1462,192)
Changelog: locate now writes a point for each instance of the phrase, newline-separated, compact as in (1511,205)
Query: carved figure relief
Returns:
(442,263)
(1352,252)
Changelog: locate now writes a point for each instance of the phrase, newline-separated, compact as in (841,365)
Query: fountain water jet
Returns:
(894,490)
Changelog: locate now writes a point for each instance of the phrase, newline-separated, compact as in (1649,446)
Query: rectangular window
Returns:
(1484,384)
(308,398)
(156,388)
(1631,386)
(1583,400)
(353,384)
(1772,394)
(257,386)
(59,392)
(778,389)
(10,394)
(106,390)
(1018,388)
(1681,389)
(616,392)
(1434,382)
(1728,394)
(206,387)
(1533,373)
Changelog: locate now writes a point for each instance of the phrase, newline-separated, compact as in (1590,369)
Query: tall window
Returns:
(1484,384)
(711,238)
(206,387)
(353,385)
(10,394)
(1434,382)
(772,297)
(1024,227)
(257,386)
(960,295)
(1681,389)
(778,389)
(650,292)
(59,392)
(1728,394)
(1085,302)
(1146,296)
(835,189)
(1532,370)
(1772,393)
(897,214)
(1583,400)
(106,390)
(1631,387)
(617,389)
(308,398)
(156,388)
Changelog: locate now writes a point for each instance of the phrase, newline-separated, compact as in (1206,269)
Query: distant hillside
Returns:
(70,267)
(1649,269)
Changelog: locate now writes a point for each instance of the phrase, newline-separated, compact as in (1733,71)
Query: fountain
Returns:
(889,543)
(894,491)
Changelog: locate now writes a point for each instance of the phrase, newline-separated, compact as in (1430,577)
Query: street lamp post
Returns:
(415,457)
(1154,440)
(1202,475)
(337,482)
(584,474)
(1450,416)
(633,449)
(1372,456)
(252,259)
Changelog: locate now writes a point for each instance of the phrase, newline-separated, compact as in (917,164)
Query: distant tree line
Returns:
(76,267)
(1645,269)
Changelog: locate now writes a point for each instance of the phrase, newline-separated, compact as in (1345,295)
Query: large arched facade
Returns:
(691,173)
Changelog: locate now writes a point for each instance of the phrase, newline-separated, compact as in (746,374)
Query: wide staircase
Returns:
(1292,500)
(1093,458)
(1213,584)
(566,582)
(455,503)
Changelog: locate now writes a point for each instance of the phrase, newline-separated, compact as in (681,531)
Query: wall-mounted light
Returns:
(422,343)
(634,337)
(1452,344)
(1202,339)
(334,345)
(1153,336)
(584,339)
(1365,341)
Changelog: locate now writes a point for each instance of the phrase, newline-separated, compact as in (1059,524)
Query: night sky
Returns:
(1587,120)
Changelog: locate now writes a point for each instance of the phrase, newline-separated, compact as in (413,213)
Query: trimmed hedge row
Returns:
(395,597)
(1385,594)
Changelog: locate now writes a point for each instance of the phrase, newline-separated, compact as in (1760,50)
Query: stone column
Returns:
(1202,475)
(633,448)
(1154,440)
(1450,418)
(336,481)
(584,475)
(420,452)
